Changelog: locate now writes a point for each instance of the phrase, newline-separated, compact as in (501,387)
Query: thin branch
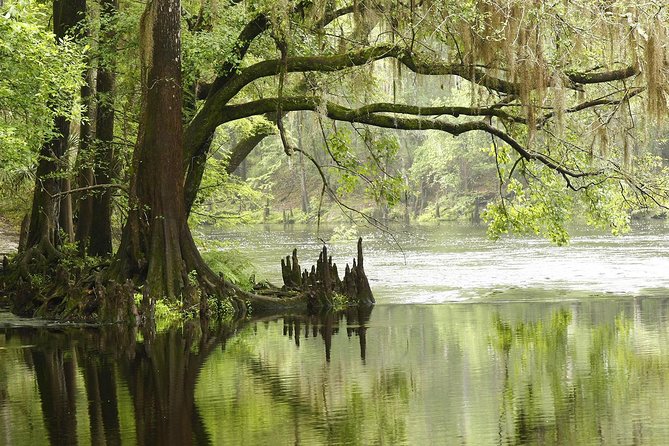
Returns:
(375,223)
(604,100)
(331,15)
(88,188)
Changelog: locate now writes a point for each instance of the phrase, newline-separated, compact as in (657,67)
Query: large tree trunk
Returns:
(156,246)
(43,216)
(100,239)
(46,207)
(83,164)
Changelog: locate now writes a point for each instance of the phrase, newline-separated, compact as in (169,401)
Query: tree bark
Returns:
(157,247)
(105,156)
(66,214)
(44,213)
(46,207)
(84,168)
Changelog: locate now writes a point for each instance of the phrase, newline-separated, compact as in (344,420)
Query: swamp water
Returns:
(529,344)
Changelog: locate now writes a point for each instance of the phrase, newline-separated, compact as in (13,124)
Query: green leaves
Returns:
(527,209)
(38,79)
(370,171)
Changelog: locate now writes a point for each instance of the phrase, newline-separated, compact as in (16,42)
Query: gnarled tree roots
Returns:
(42,282)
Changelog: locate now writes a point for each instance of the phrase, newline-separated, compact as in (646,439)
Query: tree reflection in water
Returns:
(327,324)
(160,371)
(539,373)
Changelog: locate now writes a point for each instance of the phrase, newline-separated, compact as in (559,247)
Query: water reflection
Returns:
(588,372)
(72,366)
(327,324)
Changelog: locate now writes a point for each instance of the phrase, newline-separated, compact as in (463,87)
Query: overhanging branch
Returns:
(254,28)
(411,119)
(211,114)
(416,62)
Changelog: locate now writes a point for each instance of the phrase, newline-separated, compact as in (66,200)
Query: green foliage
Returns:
(38,79)
(339,145)
(384,186)
(232,264)
(536,199)
(74,262)
(344,232)
(219,193)
(167,315)
(16,186)
(221,307)
(452,164)
(339,302)
(543,212)
(367,172)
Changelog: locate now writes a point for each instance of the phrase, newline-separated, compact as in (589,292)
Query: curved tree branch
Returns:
(602,76)
(605,100)
(238,153)
(416,121)
(209,117)
(199,132)
(258,25)
(332,15)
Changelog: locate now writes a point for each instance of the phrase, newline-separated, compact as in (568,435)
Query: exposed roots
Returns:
(42,282)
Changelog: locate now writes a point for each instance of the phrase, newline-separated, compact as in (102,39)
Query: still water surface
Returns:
(530,344)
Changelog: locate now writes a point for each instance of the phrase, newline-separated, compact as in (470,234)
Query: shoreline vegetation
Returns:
(303,291)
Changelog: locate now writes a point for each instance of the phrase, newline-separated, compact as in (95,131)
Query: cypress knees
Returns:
(323,284)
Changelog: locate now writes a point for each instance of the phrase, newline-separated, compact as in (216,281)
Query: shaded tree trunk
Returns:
(46,207)
(100,243)
(157,247)
(66,214)
(83,164)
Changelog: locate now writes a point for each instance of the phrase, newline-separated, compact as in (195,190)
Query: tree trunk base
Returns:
(42,282)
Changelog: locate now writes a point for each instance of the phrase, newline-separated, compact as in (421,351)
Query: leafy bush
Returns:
(231,263)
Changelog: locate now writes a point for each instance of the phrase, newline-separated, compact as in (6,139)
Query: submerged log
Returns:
(323,286)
